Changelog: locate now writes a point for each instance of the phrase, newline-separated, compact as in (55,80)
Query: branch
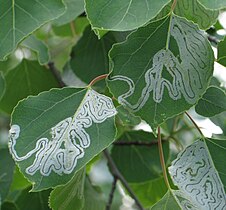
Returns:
(116,173)
(136,143)
(72,26)
(173,5)
(189,116)
(56,74)
(111,195)
(101,77)
(162,161)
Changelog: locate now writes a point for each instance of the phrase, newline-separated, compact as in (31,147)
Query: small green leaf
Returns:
(6,172)
(2,85)
(221,52)
(33,200)
(20,18)
(120,15)
(77,194)
(158,80)
(127,118)
(19,182)
(94,198)
(56,133)
(71,195)
(167,202)
(212,102)
(73,9)
(32,78)
(39,47)
(216,4)
(199,173)
(133,158)
(149,192)
(220,120)
(9,206)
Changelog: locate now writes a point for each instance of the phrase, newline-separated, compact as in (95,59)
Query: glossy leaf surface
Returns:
(120,15)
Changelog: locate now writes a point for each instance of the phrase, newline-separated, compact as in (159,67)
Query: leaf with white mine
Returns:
(56,133)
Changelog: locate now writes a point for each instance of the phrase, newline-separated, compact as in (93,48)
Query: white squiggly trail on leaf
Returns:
(69,137)
(186,77)
(195,175)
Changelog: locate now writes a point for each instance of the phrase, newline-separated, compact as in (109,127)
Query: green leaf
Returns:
(39,47)
(70,196)
(221,52)
(220,120)
(149,192)
(120,15)
(90,55)
(158,80)
(33,200)
(167,202)
(56,133)
(18,19)
(2,85)
(73,9)
(32,78)
(6,172)
(77,194)
(216,4)
(94,198)
(199,173)
(127,118)
(19,182)
(212,102)
(133,158)
(9,206)
(176,200)
(194,11)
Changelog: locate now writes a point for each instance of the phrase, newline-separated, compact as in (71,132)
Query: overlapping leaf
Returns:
(194,11)
(216,4)
(78,194)
(32,79)
(120,15)
(73,9)
(90,55)
(156,188)
(56,133)
(20,18)
(212,102)
(39,47)
(6,172)
(199,173)
(34,200)
(71,195)
(163,78)
(176,200)
(221,54)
